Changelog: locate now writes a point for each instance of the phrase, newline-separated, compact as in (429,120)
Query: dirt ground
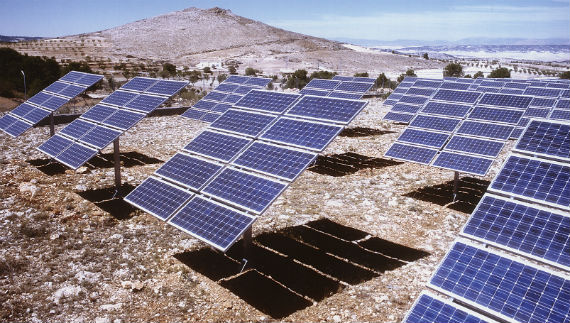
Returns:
(354,238)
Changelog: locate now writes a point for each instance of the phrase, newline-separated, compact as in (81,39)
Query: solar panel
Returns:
(267,101)
(246,123)
(72,91)
(491,83)
(363,79)
(88,79)
(398,117)
(517,132)
(511,91)
(98,113)
(428,84)
(420,91)
(357,87)
(246,190)
(329,109)
(425,138)
(563,104)
(305,134)
(227,87)
(22,109)
(534,179)
(543,92)
(457,96)
(158,198)
(429,308)
(406,108)
(100,136)
(193,114)
(306,91)
(411,153)
(446,109)
(390,102)
(216,145)
(523,228)
(119,98)
(36,115)
(435,123)
(168,88)
(188,171)
(244,89)
(537,112)
(475,146)
(557,85)
(486,130)
(342,95)
(232,98)
(510,289)
(56,87)
(145,103)
(487,89)
(6,121)
(210,117)
(323,84)
(72,76)
(558,114)
(497,115)
(463,163)
(215,96)
(273,160)
(77,128)
(413,99)
(211,222)
(455,86)
(342,78)
(565,94)
(542,102)
(39,98)
(76,155)
(205,105)
(236,79)
(139,84)
(506,100)
(17,128)
(221,107)
(123,119)
(258,81)
(523,122)
(55,145)
(54,103)
(399,90)
(516,85)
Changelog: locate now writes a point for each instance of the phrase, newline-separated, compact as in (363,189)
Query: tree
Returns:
(170,68)
(111,82)
(478,75)
(250,71)
(382,81)
(501,72)
(453,70)
(232,69)
(322,75)
(409,72)
(425,56)
(363,74)
(207,70)
(298,80)
(222,77)
(564,75)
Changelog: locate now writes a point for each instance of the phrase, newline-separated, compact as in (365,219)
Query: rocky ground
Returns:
(355,237)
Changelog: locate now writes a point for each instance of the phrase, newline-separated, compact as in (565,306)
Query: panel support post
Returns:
(51,125)
(247,234)
(455,185)
(117,158)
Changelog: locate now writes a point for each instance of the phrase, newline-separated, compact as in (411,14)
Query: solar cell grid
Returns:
(342,95)
(98,113)
(565,94)
(463,163)
(6,121)
(542,102)
(100,137)
(488,89)
(486,130)
(330,109)
(215,96)
(542,92)
(39,98)
(506,100)
(411,153)
(17,128)
(168,88)
(455,86)
(236,79)
(537,112)
(89,79)
(267,101)
(357,87)
(77,128)
(194,114)
(323,84)
(188,171)
(546,138)
(445,109)
(516,85)
(428,84)
(211,117)
(314,92)
(123,119)
(390,102)
(457,96)
(56,87)
(413,99)
(246,123)
(424,138)
(119,98)
(232,98)
(475,146)
(36,115)
(491,83)
(302,133)
(558,114)
(145,103)
(55,145)
(343,78)
(563,104)
(54,103)
(407,108)
(139,84)
(72,76)
(244,89)
(221,107)
(72,91)
(435,123)
(258,81)
(205,105)
(217,145)
(420,91)
(429,308)
(511,91)
(158,198)
(227,87)
(76,155)
(22,109)
(399,117)
(498,115)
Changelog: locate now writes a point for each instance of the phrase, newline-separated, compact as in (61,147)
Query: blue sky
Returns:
(366,19)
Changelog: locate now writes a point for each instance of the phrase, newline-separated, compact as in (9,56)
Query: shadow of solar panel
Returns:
(36,115)
(429,308)
(77,128)
(100,137)
(72,91)
(457,96)
(560,115)
(563,104)
(145,103)
(336,110)
(398,117)
(278,161)
(123,119)
(543,92)
(486,130)
(406,108)
(17,128)
(39,98)
(506,100)
(424,138)
(54,103)
(455,86)
(56,87)
(243,189)
(158,198)
(498,115)
(306,91)
(55,145)
(419,100)
(445,109)
(76,155)
(221,107)
(232,98)
(521,228)
(420,91)
(194,114)
(211,222)
(323,84)
(475,146)
(537,112)
(485,279)
(216,145)
(435,123)
(546,138)
(534,179)
(236,79)
(342,95)
(302,133)
(188,171)
(357,87)
(267,101)
(168,88)
(247,123)
(411,153)
(119,98)
(463,163)
(22,109)
(98,113)
(243,89)
(139,84)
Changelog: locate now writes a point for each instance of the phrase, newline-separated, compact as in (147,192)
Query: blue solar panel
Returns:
(516,85)
(39,98)
(215,96)
(508,288)
(72,91)
(17,128)
(425,138)
(302,133)
(267,101)
(511,91)
(168,88)
(523,122)
(188,171)
(517,132)
(419,100)
(492,83)
(77,128)
(216,145)
(258,81)
(246,190)
(342,95)
(236,79)
(535,179)
(494,114)
(55,145)
(54,103)
(6,121)
(72,76)
(306,91)
(342,78)
(232,98)
(521,227)
(227,87)
(563,104)
(36,115)
(362,79)
(205,105)
(211,222)
(193,114)
(98,113)
(428,83)
(399,90)
(475,146)
(487,130)
(457,96)
(221,107)
(411,153)
(406,108)
(357,87)
(558,114)
(557,85)
(430,309)
(76,155)
(537,112)
(247,123)
(455,86)
(323,84)
(145,103)
(158,198)
(139,84)
(123,119)
(119,98)
(243,89)
(487,89)
(273,160)
(446,109)
(565,94)
(390,102)
(22,109)
(506,100)
(56,87)
(336,110)
(100,137)
(542,102)
(211,117)
(420,91)
(88,79)
(435,123)
(463,163)
(541,91)
(398,117)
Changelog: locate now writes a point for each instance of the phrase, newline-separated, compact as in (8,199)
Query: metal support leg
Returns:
(117,157)
(246,244)
(51,125)
(455,185)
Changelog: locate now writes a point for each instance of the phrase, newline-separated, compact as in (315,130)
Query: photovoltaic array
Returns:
(41,105)
(525,212)
(223,97)
(80,140)
(339,87)
(217,186)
